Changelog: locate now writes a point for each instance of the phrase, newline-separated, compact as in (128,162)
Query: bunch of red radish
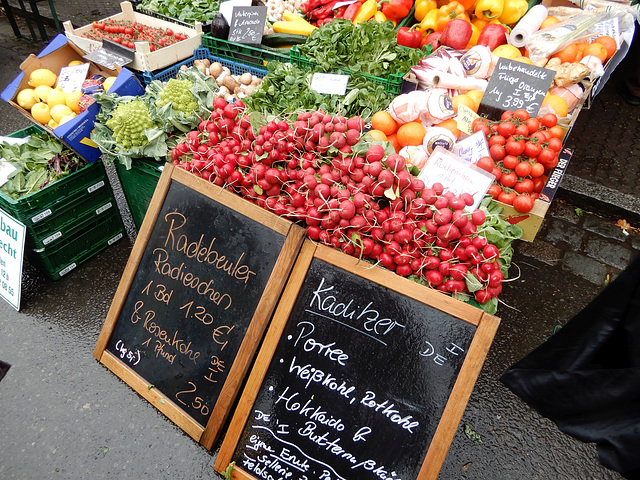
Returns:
(522,151)
(315,171)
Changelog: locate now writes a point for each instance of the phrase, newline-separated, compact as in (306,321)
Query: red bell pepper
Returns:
(493,35)
(409,36)
(322,12)
(396,10)
(432,40)
(351,10)
(456,34)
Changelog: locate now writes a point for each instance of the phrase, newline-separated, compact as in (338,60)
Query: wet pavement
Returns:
(63,415)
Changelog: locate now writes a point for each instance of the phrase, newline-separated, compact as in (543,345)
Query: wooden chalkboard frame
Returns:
(254,335)
(486,327)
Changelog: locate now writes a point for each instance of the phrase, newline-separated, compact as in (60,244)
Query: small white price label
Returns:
(329,83)
(70,79)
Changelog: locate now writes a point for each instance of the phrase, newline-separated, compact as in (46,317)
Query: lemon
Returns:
(73,100)
(42,92)
(73,63)
(66,118)
(59,111)
(42,76)
(27,98)
(523,59)
(40,113)
(52,124)
(56,97)
(507,51)
(108,82)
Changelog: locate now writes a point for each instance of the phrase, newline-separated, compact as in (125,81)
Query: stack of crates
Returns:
(68,221)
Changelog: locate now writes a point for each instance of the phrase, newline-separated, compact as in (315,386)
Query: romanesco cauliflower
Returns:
(128,123)
(178,92)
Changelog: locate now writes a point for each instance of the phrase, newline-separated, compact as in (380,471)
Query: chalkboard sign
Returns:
(198,291)
(247,25)
(514,85)
(363,375)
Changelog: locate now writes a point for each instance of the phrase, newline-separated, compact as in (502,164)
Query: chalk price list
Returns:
(180,320)
(324,420)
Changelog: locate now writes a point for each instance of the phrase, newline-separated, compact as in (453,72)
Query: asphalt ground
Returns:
(63,415)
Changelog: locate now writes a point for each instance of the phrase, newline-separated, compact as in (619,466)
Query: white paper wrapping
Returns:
(527,25)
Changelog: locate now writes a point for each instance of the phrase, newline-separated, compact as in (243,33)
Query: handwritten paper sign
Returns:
(12,236)
(329,83)
(472,148)
(198,291)
(70,79)
(456,175)
(363,375)
(247,25)
(515,85)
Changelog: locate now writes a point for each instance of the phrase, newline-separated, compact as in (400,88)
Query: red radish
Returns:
(478,217)
(375,153)
(396,162)
(433,278)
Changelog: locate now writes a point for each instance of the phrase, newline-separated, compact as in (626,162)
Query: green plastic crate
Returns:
(238,52)
(64,257)
(138,184)
(392,84)
(60,203)
(88,214)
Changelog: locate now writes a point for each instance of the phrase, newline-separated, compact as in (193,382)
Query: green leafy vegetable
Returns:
(42,160)
(287,89)
(187,11)
(369,48)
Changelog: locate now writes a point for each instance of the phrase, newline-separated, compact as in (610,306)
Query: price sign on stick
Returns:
(247,25)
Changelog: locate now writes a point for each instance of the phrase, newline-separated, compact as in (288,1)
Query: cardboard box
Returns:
(532,221)
(144,59)
(76,132)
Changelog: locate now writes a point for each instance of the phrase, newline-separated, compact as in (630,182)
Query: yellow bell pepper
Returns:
(453,9)
(429,23)
(475,33)
(422,7)
(489,9)
(366,11)
(513,11)
(482,23)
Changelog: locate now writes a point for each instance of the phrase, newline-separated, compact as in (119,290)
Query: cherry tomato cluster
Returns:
(522,150)
(127,33)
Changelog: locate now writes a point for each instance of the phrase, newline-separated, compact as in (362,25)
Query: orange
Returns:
(451,125)
(377,135)
(567,54)
(393,140)
(609,43)
(463,99)
(557,103)
(411,133)
(550,20)
(597,50)
(384,122)
(581,46)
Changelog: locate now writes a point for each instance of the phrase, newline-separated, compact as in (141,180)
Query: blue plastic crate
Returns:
(200,53)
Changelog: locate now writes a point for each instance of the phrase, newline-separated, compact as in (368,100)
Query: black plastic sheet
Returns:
(586,378)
